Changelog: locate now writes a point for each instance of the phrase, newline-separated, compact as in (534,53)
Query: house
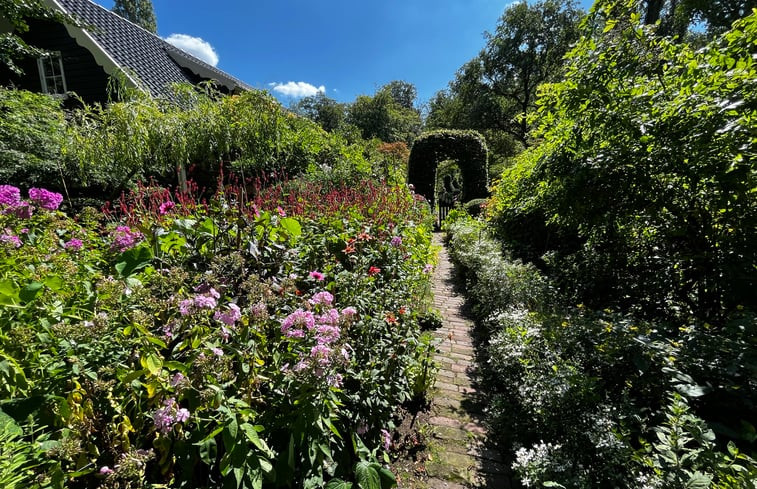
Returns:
(84,60)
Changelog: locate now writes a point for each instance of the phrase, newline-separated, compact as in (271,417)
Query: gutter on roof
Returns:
(185,61)
(102,58)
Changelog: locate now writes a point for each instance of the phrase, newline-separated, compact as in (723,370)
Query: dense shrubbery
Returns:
(100,151)
(245,342)
(599,398)
(642,191)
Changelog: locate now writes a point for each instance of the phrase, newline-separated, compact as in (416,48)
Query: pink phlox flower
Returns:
(186,306)
(105,470)
(326,333)
(11,239)
(281,211)
(299,319)
(349,312)
(334,380)
(428,268)
(396,241)
(295,333)
(45,199)
(177,379)
(321,355)
(344,352)
(225,333)
(229,317)
(329,317)
(387,439)
(300,366)
(182,415)
(166,207)
(9,195)
(322,297)
(317,275)
(205,302)
(73,244)
(217,351)
(124,238)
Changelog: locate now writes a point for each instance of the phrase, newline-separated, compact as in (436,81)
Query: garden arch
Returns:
(468,148)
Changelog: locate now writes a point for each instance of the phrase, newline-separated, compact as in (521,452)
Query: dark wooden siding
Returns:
(83,75)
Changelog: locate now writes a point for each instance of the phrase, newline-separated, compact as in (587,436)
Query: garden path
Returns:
(461,456)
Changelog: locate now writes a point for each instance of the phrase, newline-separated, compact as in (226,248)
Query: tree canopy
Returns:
(138,11)
(388,115)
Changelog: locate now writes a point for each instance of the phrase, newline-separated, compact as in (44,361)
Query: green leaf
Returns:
(132,260)
(8,425)
(291,226)
(367,476)
(8,292)
(208,449)
(152,362)
(31,291)
(338,484)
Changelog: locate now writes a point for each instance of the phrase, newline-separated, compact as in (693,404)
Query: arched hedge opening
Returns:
(468,148)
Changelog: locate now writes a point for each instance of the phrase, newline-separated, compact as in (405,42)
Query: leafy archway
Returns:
(468,148)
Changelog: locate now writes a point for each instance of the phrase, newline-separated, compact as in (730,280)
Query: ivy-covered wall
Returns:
(468,148)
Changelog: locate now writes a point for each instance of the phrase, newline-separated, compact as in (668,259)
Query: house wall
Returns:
(83,75)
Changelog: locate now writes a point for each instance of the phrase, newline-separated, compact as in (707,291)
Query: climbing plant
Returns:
(468,148)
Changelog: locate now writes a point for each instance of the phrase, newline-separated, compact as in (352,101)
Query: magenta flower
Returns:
(428,268)
(317,275)
(322,297)
(166,207)
(167,416)
(73,244)
(348,312)
(177,379)
(321,355)
(105,470)
(396,241)
(124,238)
(22,210)
(186,306)
(9,195)
(205,302)
(45,199)
(334,380)
(182,415)
(329,317)
(326,334)
(281,211)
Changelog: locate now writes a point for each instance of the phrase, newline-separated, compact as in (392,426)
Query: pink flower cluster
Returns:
(322,330)
(45,199)
(166,417)
(73,244)
(124,238)
(10,239)
(206,300)
(166,207)
(396,241)
(11,203)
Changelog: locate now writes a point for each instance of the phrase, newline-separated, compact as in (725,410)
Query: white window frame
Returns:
(43,75)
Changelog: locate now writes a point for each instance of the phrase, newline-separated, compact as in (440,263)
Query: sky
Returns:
(343,48)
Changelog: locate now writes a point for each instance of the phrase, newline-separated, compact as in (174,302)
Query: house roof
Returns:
(146,60)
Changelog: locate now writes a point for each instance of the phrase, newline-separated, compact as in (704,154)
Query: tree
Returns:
(677,16)
(17,13)
(402,92)
(323,110)
(383,117)
(138,11)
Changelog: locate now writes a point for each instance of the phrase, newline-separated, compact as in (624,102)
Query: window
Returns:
(51,74)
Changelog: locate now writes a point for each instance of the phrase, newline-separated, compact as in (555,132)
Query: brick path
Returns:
(459,449)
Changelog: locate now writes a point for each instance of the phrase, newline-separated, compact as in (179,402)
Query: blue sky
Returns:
(344,48)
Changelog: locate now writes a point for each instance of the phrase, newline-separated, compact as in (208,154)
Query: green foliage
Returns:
(154,350)
(571,390)
(468,148)
(139,12)
(386,115)
(323,110)
(31,138)
(496,90)
(197,135)
(643,192)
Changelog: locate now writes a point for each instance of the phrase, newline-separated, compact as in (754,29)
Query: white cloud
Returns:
(195,46)
(297,89)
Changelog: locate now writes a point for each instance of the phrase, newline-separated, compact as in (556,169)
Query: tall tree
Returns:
(138,11)
(496,90)
(323,110)
(677,16)
(384,117)
(17,14)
